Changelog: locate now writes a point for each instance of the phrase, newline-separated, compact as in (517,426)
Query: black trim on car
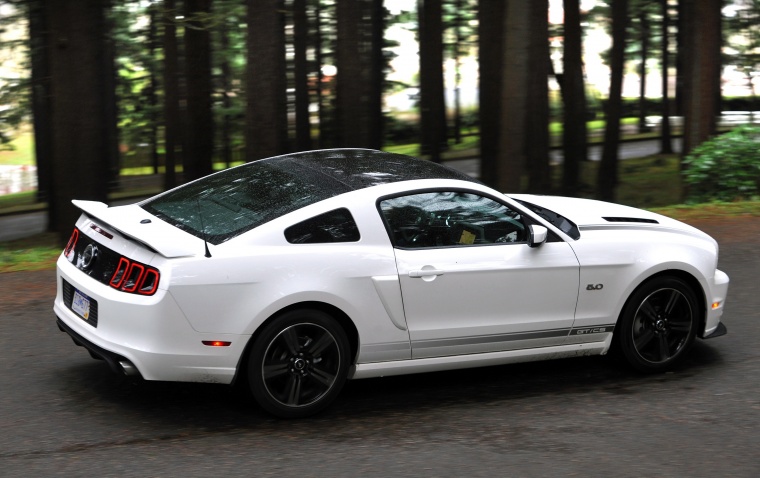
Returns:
(111,358)
(631,219)
(718,332)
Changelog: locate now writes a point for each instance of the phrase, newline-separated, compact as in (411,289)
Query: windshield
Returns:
(557,220)
(229,203)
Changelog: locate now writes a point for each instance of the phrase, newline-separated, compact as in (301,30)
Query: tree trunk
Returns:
(607,178)
(198,157)
(79,115)
(153,86)
(515,65)
(376,75)
(226,80)
(574,131)
(110,101)
(644,20)
(359,82)
(301,73)
(325,136)
(457,71)
(348,82)
(41,101)
(680,61)
(266,121)
(171,95)
(432,101)
(491,21)
(666,143)
(702,20)
(537,96)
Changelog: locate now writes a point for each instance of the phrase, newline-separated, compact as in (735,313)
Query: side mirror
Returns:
(537,235)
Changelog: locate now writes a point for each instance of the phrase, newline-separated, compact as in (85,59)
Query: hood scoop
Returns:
(631,219)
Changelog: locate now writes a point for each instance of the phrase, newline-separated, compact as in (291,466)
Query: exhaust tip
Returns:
(128,368)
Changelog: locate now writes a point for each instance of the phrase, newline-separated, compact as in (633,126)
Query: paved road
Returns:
(64,414)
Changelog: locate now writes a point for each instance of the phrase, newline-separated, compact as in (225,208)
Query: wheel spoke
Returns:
(294,389)
(647,309)
(664,348)
(275,370)
(672,300)
(644,339)
(291,340)
(320,345)
(683,327)
(323,377)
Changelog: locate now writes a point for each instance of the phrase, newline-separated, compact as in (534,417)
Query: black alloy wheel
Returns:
(298,364)
(659,324)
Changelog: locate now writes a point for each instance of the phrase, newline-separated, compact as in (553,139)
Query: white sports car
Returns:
(295,273)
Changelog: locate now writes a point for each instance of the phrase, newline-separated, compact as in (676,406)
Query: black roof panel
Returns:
(362,168)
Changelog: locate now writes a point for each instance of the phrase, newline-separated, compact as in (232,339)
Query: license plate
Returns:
(81,304)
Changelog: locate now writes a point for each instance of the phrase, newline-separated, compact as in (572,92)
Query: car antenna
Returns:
(203,227)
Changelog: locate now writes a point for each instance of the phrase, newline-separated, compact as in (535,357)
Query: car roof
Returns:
(356,168)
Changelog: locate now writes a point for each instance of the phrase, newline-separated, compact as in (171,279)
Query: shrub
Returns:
(725,168)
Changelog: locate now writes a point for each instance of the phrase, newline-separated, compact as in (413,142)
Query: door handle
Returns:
(426,273)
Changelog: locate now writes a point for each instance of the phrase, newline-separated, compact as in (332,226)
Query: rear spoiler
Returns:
(131,221)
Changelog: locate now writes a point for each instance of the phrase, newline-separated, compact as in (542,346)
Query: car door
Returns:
(469,281)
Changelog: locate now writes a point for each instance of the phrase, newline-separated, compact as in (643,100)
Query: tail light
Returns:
(68,251)
(135,277)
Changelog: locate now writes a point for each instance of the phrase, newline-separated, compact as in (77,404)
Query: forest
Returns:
(184,87)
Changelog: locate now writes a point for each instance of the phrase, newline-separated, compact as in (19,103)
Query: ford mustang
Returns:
(295,273)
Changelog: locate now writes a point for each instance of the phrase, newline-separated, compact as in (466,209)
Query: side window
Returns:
(333,226)
(441,219)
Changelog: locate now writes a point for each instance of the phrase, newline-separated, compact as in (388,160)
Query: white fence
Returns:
(16,179)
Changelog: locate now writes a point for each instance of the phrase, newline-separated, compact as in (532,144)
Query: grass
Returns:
(653,181)
(34,253)
(690,212)
(16,200)
(21,151)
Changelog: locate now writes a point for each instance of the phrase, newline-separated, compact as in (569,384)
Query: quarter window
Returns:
(450,218)
(333,226)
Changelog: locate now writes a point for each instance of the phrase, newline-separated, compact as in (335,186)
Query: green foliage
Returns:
(725,168)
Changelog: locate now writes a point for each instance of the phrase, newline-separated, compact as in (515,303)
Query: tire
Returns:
(298,364)
(658,324)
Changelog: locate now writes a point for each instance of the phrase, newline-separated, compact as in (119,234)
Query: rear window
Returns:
(333,226)
(229,203)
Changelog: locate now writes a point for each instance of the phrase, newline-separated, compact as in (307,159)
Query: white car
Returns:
(298,272)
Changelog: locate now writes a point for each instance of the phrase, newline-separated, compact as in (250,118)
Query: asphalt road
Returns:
(65,414)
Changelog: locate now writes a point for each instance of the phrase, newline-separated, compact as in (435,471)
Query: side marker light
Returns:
(216,343)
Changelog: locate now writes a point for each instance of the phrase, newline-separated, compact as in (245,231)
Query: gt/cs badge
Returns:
(595,287)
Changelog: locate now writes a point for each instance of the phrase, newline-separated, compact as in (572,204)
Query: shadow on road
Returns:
(207,408)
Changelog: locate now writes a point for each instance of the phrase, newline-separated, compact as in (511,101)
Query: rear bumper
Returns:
(116,362)
(145,336)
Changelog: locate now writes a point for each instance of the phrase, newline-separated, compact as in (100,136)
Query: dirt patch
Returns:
(19,289)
